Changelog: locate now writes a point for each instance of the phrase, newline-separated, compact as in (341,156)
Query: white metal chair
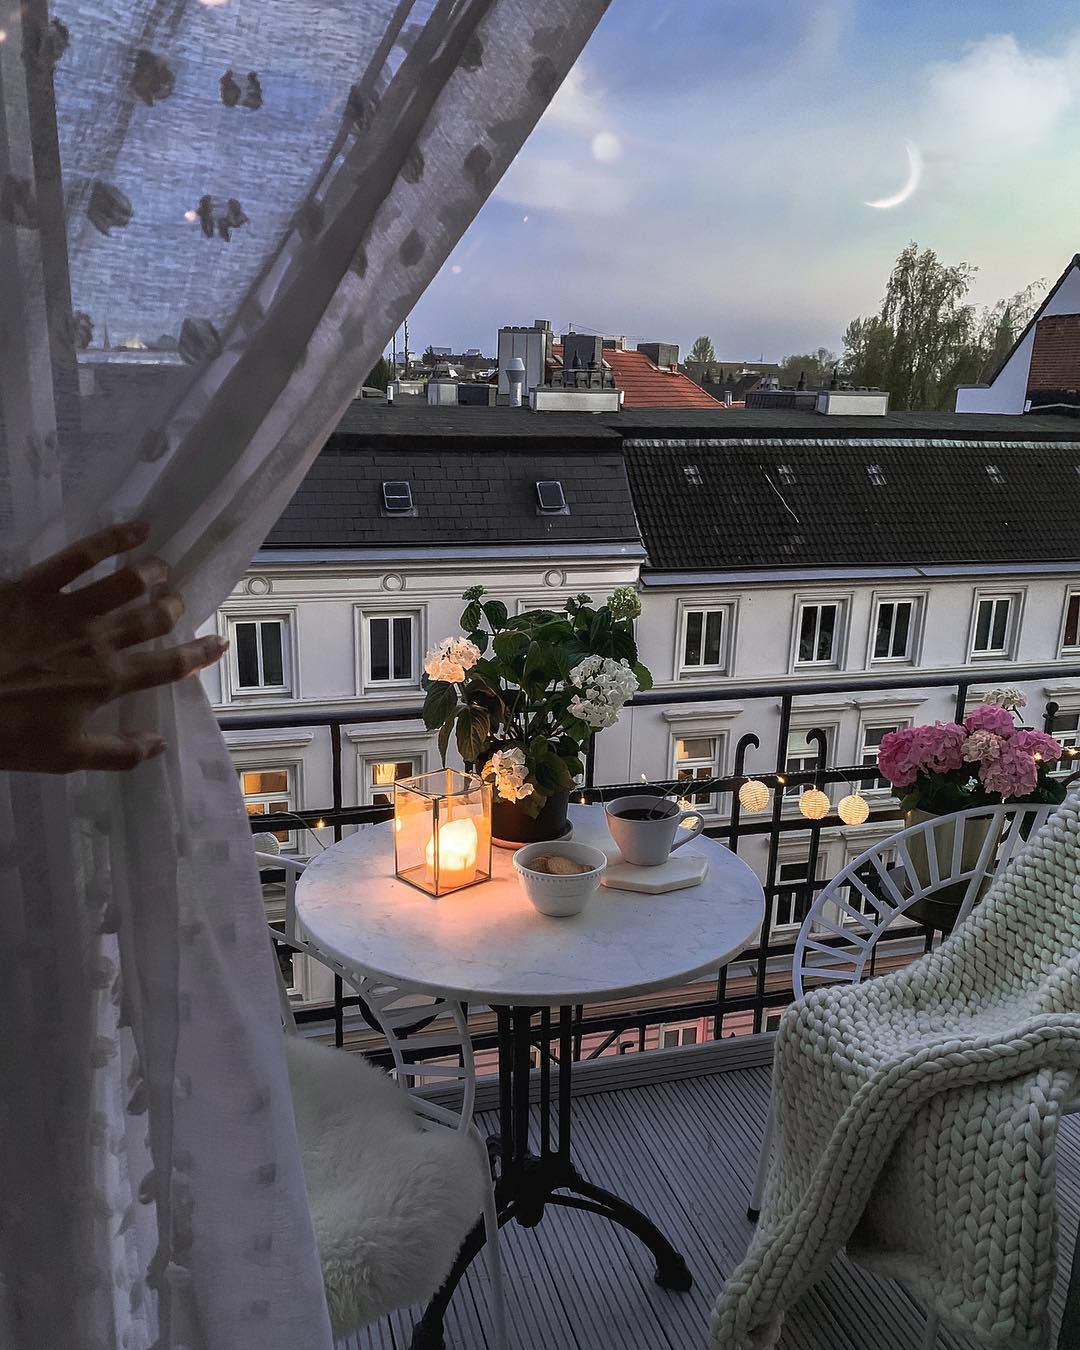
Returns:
(396,1011)
(839,937)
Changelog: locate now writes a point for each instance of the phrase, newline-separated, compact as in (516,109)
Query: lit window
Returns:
(704,639)
(1070,639)
(819,633)
(380,777)
(391,649)
(695,761)
(992,615)
(871,743)
(1066,729)
(259,655)
(269,792)
(894,627)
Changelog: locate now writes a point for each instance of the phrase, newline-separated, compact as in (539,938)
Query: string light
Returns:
(853,809)
(320,824)
(753,795)
(814,804)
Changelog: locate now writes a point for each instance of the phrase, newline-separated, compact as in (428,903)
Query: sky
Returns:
(707,166)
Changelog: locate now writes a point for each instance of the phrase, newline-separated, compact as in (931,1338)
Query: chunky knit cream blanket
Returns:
(917,1114)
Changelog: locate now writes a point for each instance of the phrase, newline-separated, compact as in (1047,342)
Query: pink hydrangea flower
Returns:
(989,717)
(906,753)
(1039,744)
(1014,773)
(981,746)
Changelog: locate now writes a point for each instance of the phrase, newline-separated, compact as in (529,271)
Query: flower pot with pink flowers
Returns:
(946,767)
(523,695)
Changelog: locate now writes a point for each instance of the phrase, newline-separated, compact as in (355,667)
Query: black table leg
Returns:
(526,1182)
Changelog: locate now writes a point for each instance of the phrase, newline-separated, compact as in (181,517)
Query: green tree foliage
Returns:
(927,338)
(380,375)
(817,366)
(701,363)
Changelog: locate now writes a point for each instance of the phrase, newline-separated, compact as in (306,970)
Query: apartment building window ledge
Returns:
(269,738)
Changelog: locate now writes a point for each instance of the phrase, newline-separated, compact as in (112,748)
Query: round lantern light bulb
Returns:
(853,809)
(753,795)
(814,804)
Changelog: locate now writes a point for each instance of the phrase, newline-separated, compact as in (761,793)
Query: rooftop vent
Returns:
(693,474)
(994,474)
(397,497)
(786,474)
(551,497)
(876,474)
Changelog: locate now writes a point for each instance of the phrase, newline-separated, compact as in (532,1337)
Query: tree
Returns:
(380,375)
(927,338)
(702,352)
(428,358)
(817,366)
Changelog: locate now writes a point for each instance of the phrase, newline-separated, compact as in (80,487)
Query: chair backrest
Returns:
(959,852)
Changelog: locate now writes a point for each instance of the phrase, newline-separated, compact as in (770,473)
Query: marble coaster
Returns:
(680,871)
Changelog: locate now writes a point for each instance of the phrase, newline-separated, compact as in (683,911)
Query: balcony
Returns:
(678,1132)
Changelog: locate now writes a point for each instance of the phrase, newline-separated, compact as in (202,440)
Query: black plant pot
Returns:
(515,826)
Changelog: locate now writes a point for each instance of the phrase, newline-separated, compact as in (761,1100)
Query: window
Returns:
(397,497)
(551,498)
(818,633)
(391,655)
(704,644)
(802,755)
(380,775)
(876,474)
(260,660)
(794,895)
(695,759)
(870,877)
(894,630)
(672,1037)
(993,614)
(1067,731)
(871,743)
(268,792)
(1070,637)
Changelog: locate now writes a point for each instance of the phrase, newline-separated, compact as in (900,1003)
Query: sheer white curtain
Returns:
(213,213)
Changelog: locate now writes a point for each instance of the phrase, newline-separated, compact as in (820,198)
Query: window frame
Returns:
(840,631)
(917,601)
(253,763)
(232,689)
(363,615)
(710,806)
(368,759)
(679,1030)
(719,667)
(832,740)
(1063,648)
(728,606)
(1013,622)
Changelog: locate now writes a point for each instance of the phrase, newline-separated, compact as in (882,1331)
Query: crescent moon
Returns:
(914,178)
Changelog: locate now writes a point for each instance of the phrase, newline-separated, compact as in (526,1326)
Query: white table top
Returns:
(487,944)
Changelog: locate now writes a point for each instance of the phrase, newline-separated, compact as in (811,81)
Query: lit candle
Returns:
(458,845)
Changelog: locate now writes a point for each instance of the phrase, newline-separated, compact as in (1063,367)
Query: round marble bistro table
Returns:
(486,944)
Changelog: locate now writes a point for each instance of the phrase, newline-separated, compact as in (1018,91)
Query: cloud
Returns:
(998,100)
(542,183)
(606,147)
(579,104)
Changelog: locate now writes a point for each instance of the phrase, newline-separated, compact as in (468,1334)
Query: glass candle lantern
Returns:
(442,831)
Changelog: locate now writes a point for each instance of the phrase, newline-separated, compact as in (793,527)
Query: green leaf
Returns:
(533,804)
(481,638)
(471,616)
(623,646)
(445,732)
(510,646)
(441,701)
(643,676)
(473,728)
(545,776)
(495,611)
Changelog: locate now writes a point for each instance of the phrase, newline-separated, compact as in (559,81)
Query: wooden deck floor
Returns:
(683,1150)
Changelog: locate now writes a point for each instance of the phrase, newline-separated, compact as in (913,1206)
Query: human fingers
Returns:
(114,750)
(155,619)
(84,554)
(130,583)
(147,670)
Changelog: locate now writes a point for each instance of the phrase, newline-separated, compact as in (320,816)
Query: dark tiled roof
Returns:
(769,424)
(935,505)
(473,496)
(372,424)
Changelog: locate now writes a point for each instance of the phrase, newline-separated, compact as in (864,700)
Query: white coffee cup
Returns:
(648,839)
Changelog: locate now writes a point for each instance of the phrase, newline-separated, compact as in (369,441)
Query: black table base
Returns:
(527,1182)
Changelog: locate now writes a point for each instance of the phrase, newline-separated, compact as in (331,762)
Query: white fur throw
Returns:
(917,1115)
(391,1202)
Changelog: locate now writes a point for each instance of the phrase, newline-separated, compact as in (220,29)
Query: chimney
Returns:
(729,398)
(515,377)
(662,354)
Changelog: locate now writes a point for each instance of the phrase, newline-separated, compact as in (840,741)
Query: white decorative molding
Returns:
(269,738)
(695,716)
(393,581)
(404,735)
(258,586)
(555,576)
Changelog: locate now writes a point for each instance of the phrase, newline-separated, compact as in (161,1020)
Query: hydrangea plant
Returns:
(989,758)
(523,695)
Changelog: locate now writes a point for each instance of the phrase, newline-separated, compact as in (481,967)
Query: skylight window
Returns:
(786,474)
(397,497)
(550,495)
(876,474)
(994,474)
(693,474)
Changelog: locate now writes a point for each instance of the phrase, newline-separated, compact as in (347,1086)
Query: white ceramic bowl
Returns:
(560,896)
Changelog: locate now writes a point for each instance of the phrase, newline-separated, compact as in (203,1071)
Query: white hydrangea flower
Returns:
(1009,697)
(624,603)
(450,659)
(509,769)
(605,686)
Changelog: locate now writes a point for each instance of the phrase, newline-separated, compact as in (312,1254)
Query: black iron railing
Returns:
(765,988)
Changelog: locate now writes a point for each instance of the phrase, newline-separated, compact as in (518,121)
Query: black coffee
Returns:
(642,813)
